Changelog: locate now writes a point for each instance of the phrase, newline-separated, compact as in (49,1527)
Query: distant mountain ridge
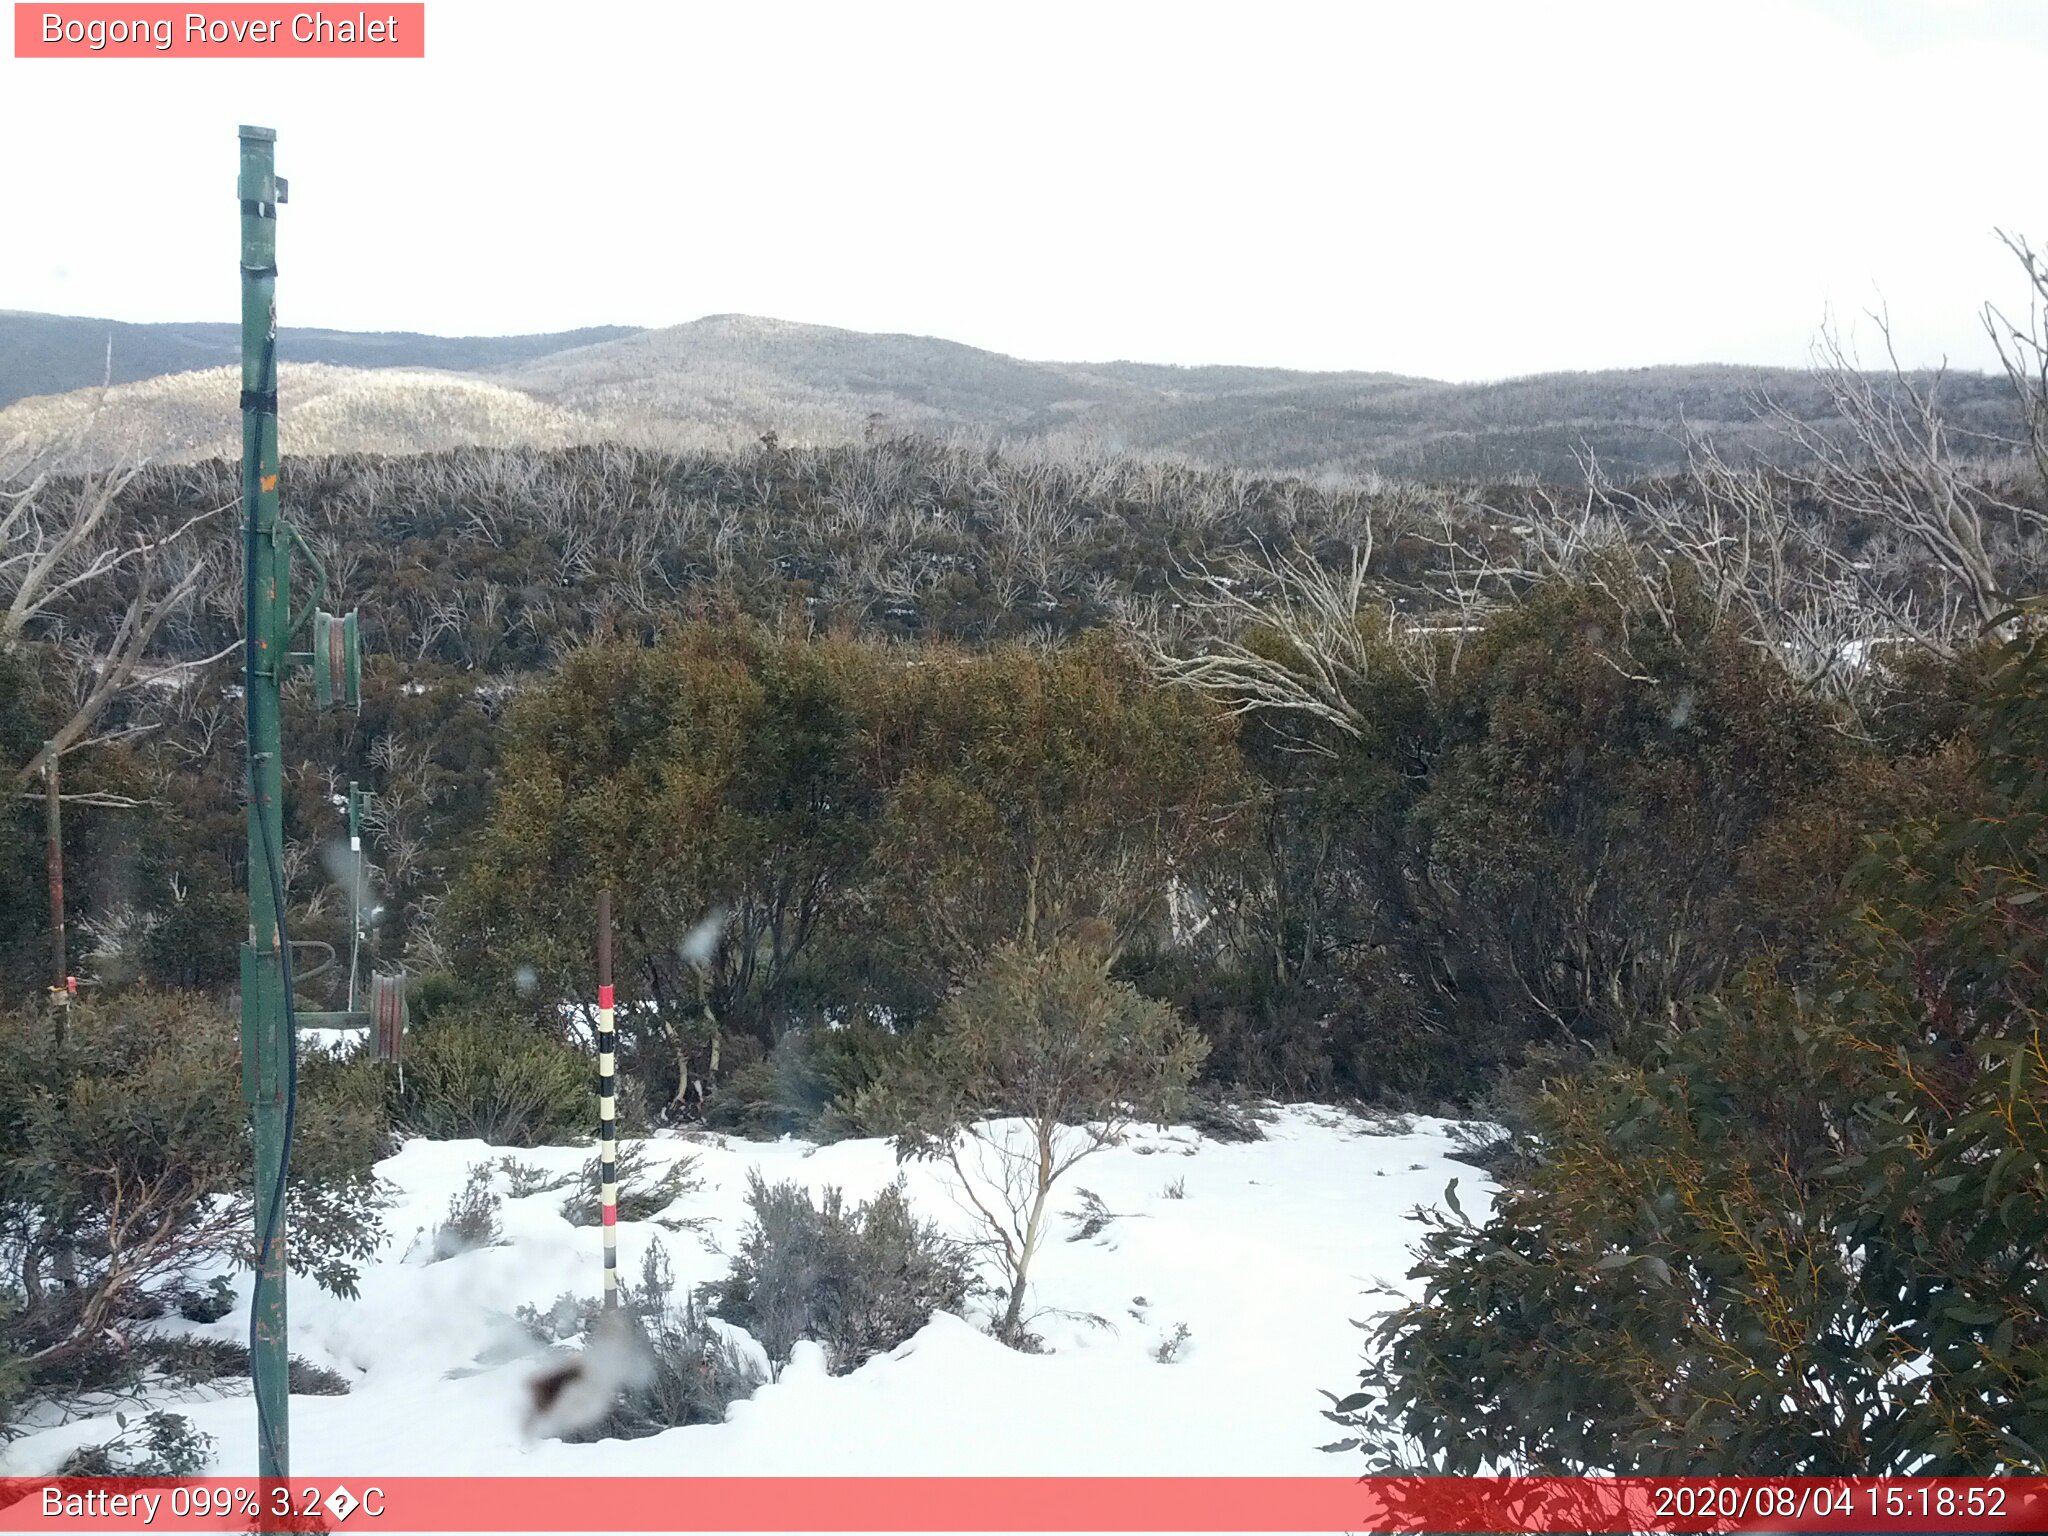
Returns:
(55,354)
(725,380)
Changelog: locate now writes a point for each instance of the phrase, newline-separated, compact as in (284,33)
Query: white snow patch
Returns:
(1266,1256)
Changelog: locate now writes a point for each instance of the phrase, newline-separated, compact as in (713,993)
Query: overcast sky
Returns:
(1460,190)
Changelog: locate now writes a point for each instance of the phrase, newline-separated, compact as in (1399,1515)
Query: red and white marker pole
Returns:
(607,1103)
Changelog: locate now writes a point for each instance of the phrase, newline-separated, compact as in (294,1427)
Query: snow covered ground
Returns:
(1266,1256)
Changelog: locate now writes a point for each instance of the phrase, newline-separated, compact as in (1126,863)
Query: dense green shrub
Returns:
(496,1077)
(15,1372)
(125,1173)
(859,1282)
(24,916)
(807,1085)
(696,698)
(716,777)
(1263,1036)
(761,1100)
(1570,869)
(1539,834)
(1808,1232)
(857,827)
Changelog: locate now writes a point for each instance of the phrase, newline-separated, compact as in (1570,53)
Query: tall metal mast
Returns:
(270,1020)
(269,1049)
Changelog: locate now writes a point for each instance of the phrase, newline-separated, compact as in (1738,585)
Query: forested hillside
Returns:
(722,382)
(55,354)
(845,614)
(1556,807)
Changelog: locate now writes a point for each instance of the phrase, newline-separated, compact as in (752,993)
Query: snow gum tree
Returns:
(1040,1060)
(714,777)
(1041,788)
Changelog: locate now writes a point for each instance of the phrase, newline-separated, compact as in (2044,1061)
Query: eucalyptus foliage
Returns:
(1809,1232)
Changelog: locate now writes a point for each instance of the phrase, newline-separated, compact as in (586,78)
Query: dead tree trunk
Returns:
(53,856)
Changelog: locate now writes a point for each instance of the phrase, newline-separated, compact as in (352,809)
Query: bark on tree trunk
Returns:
(710,1076)
(53,854)
(1013,1317)
(1031,868)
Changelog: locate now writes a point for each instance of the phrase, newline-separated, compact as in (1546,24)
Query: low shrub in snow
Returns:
(1220,1119)
(210,1305)
(305,1379)
(156,1445)
(640,1198)
(859,1282)
(560,1323)
(495,1077)
(196,1360)
(697,1373)
(472,1217)
(1091,1218)
(682,1370)
(523,1179)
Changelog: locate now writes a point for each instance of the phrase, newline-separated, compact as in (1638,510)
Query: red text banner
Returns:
(376,31)
(1048,1504)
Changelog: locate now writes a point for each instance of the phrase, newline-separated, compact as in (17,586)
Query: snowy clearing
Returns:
(1266,1257)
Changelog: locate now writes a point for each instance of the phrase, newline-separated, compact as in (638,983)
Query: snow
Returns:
(1267,1257)
(323,1041)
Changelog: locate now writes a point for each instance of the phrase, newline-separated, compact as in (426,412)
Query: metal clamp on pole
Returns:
(337,661)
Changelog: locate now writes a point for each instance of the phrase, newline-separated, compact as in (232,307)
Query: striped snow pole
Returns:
(607,1103)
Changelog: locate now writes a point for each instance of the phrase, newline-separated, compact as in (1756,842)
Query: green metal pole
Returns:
(268,1049)
(355,882)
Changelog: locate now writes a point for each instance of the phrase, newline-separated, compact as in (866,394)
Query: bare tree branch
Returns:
(1280,633)
(60,542)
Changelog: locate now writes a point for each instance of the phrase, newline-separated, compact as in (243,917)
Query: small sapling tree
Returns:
(1038,1061)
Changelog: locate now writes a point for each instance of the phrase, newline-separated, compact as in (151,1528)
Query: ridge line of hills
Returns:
(723,381)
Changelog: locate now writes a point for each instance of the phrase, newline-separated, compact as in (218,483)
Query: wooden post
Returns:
(607,1103)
